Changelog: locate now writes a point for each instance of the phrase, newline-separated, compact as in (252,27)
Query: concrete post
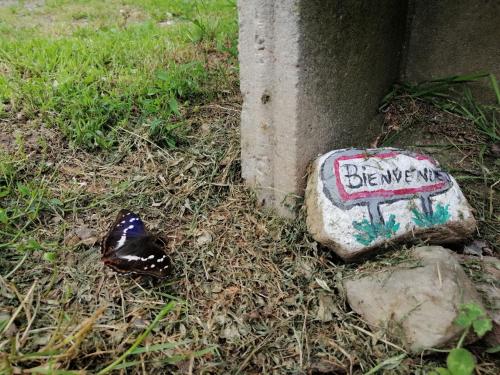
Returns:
(312,74)
(269,55)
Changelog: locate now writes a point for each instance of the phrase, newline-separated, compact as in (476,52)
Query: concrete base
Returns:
(313,73)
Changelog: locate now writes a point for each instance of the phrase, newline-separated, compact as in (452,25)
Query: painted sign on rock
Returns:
(364,197)
(356,177)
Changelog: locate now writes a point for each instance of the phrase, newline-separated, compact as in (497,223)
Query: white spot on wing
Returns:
(153,266)
(122,239)
(130,257)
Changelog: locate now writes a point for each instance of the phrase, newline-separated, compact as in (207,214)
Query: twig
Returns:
(122,298)
(252,353)
(146,140)
(30,322)
(372,336)
(21,305)
(344,352)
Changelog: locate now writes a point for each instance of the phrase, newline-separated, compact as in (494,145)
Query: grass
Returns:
(139,340)
(135,104)
(451,94)
(24,200)
(114,72)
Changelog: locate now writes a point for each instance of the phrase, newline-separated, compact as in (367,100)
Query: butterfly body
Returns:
(129,248)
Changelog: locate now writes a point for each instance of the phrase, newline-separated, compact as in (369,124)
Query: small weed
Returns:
(440,216)
(208,28)
(484,117)
(370,232)
(164,133)
(460,361)
(230,46)
(388,364)
(182,81)
(204,30)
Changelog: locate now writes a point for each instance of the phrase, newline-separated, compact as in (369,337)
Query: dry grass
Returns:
(254,294)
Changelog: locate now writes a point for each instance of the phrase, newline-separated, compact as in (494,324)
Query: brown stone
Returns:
(417,304)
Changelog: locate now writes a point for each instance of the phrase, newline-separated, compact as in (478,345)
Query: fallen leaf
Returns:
(204,238)
(323,284)
(230,332)
(326,308)
(86,235)
(324,366)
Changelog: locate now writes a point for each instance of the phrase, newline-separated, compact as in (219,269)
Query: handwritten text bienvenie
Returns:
(354,176)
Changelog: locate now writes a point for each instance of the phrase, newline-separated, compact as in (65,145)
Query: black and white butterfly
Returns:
(129,248)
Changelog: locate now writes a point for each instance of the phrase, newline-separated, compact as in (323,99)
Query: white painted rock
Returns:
(417,305)
(360,200)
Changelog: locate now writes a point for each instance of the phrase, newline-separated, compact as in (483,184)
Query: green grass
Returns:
(23,199)
(451,94)
(139,340)
(113,72)
(100,73)
(85,85)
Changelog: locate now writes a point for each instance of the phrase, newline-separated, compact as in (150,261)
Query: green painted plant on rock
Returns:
(369,232)
(440,216)
(460,361)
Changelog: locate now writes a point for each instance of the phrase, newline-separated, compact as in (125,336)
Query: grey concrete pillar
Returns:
(312,75)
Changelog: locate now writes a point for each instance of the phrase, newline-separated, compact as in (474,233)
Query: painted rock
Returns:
(358,201)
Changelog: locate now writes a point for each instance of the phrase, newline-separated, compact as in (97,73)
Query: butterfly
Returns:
(129,248)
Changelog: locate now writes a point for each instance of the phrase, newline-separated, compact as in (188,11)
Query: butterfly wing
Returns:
(128,248)
(126,226)
(143,256)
